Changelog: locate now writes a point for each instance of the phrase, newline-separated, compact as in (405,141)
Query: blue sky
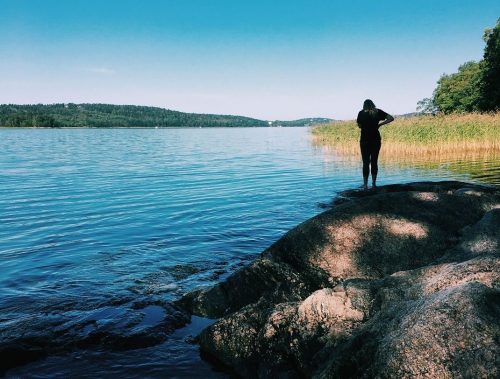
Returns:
(265,59)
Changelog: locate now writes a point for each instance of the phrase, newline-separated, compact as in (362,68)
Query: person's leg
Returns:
(365,155)
(375,149)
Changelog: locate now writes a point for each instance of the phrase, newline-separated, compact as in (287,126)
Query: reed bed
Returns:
(405,152)
(473,134)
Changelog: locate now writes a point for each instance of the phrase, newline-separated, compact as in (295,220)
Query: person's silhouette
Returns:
(370,142)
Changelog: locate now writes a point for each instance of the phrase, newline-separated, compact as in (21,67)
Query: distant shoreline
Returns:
(128,116)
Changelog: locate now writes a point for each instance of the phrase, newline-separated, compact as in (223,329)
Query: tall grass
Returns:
(434,135)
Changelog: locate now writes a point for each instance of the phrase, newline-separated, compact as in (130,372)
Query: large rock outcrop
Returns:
(399,282)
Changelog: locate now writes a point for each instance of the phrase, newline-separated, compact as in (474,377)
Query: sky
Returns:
(268,59)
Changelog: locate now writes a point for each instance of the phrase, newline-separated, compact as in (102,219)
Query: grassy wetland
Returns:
(468,144)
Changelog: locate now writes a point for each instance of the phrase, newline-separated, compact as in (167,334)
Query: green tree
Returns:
(490,86)
(460,92)
(107,115)
(43,121)
(426,106)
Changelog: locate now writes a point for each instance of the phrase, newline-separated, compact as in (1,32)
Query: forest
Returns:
(107,115)
(125,116)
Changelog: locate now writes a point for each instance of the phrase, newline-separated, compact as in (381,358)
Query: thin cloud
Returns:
(101,70)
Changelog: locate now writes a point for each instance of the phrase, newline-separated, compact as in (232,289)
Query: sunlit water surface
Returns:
(101,229)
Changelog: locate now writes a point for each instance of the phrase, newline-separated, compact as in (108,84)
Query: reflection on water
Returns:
(472,162)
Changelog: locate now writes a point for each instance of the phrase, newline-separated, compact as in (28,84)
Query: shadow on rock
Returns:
(399,278)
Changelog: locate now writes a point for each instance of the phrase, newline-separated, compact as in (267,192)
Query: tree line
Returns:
(476,85)
(122,116)
(107,115)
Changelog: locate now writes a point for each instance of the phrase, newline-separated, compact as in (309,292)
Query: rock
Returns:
(116,328)
(398,282)
(264,276)
(426,324)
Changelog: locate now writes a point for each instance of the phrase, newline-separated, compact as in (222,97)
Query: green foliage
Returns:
(426,106)
(490,96)
(106,115)
(459,92)
(476,85)
(9,117)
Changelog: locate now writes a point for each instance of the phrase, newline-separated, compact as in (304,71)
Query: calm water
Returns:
(101,229)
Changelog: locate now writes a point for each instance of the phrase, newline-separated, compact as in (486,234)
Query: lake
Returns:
(102,228)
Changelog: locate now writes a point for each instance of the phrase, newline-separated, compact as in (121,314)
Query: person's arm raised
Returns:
(387,120)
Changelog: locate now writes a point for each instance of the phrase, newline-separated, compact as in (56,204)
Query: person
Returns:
(370,142)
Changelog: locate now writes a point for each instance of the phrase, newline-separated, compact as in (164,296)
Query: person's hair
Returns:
(369,106)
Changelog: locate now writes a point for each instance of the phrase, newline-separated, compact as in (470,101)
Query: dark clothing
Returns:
(369,153)
(369,125)
(370,141)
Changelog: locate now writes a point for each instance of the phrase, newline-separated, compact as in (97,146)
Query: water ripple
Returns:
(100,229)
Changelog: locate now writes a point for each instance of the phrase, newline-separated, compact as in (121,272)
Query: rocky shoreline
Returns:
(399,282)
